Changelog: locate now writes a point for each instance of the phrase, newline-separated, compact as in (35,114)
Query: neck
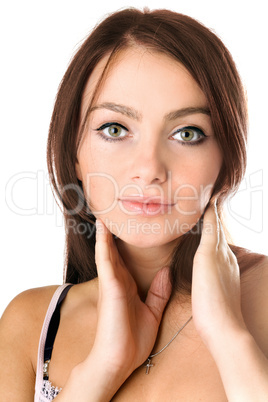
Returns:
(144,263)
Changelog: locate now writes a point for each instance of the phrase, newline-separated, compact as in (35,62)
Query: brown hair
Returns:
(211,65)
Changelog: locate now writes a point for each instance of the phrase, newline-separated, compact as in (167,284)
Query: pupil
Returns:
(188,135)
(113,130)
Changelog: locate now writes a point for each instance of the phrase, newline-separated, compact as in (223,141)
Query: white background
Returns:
(37,42)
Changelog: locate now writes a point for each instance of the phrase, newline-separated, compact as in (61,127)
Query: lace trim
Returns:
(49,391)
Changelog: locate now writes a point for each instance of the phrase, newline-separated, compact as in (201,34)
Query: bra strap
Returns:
(52,331)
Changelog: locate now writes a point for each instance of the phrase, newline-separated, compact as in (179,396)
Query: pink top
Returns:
(44,390)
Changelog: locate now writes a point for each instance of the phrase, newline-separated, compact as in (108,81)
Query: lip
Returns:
(147,199)
(146,205)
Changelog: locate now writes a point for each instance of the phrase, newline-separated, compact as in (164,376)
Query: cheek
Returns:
(100,181)
(191,199)
(101,191)
(195,182)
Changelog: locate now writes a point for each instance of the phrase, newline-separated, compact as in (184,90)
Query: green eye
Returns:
(191,135)
(114,130)
(187,134)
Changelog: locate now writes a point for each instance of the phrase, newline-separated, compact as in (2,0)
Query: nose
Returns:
(149,165)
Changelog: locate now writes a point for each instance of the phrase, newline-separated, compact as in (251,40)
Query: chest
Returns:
(181,374)
(185,371)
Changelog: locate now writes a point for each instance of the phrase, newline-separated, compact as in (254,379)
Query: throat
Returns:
(144,263)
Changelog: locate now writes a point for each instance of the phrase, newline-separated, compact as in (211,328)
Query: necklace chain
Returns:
(149,364)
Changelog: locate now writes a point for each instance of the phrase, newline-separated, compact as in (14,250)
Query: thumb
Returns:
(159,293)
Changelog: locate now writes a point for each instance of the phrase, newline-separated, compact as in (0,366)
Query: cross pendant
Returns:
(148,365)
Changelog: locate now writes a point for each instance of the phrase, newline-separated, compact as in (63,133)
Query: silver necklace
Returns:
(149,364)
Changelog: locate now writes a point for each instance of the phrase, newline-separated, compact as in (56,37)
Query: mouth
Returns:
(146,206)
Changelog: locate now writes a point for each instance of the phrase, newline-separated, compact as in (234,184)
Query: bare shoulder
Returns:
(40,296)
(254,274)
(78,321)
(82,295)
(29,307)
(20,328)
(254,295)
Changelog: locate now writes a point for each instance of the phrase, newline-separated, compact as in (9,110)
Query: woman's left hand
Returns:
(216,300)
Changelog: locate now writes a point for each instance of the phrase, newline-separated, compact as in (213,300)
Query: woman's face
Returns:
(148,158)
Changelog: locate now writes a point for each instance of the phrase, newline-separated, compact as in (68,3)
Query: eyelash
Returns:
(201,134)
(107,125)
(110,139)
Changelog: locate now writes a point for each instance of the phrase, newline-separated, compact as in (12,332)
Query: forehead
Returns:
(138,76)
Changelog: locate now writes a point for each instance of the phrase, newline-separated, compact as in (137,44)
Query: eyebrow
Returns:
(134,114)
(187,111)
(125,110)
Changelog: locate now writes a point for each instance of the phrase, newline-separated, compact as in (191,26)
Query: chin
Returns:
(144,234)
(147,242)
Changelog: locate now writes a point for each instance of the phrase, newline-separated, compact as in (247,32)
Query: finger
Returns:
(112,247)
(222,237)
(101,240)
(102,252)
(232,256)
(159,293)
(211,228)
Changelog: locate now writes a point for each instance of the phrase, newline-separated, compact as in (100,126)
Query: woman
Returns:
(148,135)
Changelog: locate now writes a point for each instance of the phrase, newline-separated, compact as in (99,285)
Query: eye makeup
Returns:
(189,135)
(113,129)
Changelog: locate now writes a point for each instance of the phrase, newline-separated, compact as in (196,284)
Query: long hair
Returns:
(210,64)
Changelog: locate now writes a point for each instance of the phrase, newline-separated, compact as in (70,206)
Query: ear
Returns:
(78,170)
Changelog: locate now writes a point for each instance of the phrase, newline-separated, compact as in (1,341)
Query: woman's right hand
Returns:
(127,327)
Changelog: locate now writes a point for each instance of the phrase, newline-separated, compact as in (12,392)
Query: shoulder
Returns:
(247,259)
(28,307)
(20,328)
(253,273)
(25,315)
(26,312)
(81,298)
(254,296)
(77,329)
(41,296)
(254,279)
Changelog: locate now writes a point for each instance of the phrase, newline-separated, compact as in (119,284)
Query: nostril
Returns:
(155,180)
